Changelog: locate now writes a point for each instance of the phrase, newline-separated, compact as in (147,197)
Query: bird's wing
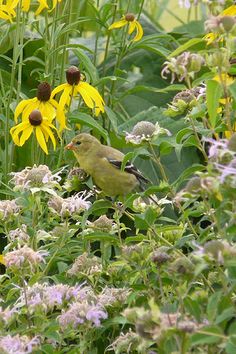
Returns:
(129,168)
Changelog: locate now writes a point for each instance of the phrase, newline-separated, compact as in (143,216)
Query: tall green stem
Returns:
(16,54)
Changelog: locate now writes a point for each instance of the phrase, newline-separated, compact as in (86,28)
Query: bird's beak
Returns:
(70,146)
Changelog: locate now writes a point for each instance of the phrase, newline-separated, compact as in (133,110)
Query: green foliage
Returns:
(152,271)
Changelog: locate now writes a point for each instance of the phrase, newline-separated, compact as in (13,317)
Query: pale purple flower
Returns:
(95,315)
(19,235)
(18,344)
(36,177)
(8,208)
(227,170)
(217,148)
(85,264)
(71,206)
(185,3)
(48,297)
(109,296)
(24,256)
(7,314)
(81,312)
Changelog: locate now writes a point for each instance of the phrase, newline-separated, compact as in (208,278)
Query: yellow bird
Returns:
(103,163)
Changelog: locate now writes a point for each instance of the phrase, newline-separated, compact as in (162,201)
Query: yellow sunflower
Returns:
(74,86)
(39,125)
(7,11)
(129,19)
(25,5)
(44,103)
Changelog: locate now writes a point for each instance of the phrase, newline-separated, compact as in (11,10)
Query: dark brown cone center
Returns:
(129,17)
(35,118)
(73,75)
(44,91)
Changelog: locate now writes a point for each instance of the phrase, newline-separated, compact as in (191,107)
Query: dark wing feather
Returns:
(129,168)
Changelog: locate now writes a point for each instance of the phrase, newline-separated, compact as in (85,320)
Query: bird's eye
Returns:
(78,142)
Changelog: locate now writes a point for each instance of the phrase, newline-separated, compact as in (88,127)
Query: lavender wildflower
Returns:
(86,265)
(48,297)
(24,256)
(8,209)
(18,344)
(6,315)
(72,206)
(109,296)
(19,235)
(35,178)
(81,312)
(227,170)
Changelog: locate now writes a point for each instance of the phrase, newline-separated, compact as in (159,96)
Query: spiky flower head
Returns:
(144,131)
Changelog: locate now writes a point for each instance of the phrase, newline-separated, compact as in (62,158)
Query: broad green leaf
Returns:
(185,46)
(89,121)
(87,63)
(213,94)
(207,335)
(102,237)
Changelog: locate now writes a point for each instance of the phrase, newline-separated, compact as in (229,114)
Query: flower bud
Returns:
(103,224)
(232,143)
(227,23)
(214,248)
(44,92)
(193,185)
(73,75)
(160,256)
(195,63)
(35,118)
(220,59)
(144,128)
(187,326)
(130,17)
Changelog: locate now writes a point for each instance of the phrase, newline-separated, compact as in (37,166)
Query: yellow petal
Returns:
(43,5)
(86,97)
(132,27)
(210,37)
(59,89)
(25,5)
(19,108)
(118,24)
(65,96)
(139,34)
(49,132)
(230,11)
(41,140)
(61,119)
(15,131)
(31,106)
(26,134)
(89,93)
(47,110)
(2,259)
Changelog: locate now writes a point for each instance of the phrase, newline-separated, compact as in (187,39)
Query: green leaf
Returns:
(185,46)
(213,94)
(232,89)
(86,119)
(112,118)
(207,335)
(102,237)
(100,207)
(88,65)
